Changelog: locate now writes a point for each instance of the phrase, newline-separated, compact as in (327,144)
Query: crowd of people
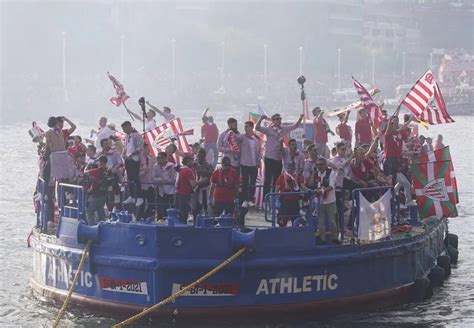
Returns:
(112,164)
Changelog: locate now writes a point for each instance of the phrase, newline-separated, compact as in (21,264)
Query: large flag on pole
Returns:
(165,134)
(426,101)
(121,96)
(434,189)
(373,110)
(442,154)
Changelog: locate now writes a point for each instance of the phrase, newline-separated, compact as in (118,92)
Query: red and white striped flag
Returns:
(426,101)
(436,114)
(163,135)
(420,94)
(368,103)
(121,95)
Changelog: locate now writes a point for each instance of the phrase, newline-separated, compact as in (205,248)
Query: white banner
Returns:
(374,218)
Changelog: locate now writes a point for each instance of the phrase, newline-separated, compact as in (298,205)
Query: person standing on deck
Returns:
(60,125)
(344,131)
(320,132)
(292,155)
(228,144)
(439,142)
(164,175)
(250,149)
(209,136)
(103,132)
(323,179)
(97,191)
(185,185)
(225,183)
(363,129)
(133,156)
(273,148)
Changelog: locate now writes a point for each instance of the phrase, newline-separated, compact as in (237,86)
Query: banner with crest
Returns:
(434,189)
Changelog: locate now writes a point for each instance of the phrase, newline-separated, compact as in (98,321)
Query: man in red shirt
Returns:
(393,148)
(184,188)
(101,181)
(225,183)
(344,131)
(321,129)
(289,181)
(363,129)
(209,136)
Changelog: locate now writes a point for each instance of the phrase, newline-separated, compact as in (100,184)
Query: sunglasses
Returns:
(277,118)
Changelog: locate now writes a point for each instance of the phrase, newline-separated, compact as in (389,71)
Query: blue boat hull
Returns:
(133,266)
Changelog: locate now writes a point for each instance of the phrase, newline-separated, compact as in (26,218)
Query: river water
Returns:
(451,305)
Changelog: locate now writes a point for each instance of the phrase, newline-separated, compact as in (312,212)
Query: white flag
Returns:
(374,218)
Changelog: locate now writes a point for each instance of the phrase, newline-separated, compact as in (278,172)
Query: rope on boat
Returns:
(182,291)
(74,282)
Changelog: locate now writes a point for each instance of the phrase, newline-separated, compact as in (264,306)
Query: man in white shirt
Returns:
(104,132)
(132,154)
(341,166)
(323,179)
(164,175)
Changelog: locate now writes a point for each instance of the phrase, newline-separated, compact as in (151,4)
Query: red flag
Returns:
(121,95)
(369,104)
(434,189)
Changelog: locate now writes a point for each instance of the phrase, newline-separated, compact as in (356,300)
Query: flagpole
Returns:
(122,50)
(339,68)
(173,52)
(128,111)
(265,67)
(64,65)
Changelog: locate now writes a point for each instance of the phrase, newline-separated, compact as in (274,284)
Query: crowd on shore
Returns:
(112,164)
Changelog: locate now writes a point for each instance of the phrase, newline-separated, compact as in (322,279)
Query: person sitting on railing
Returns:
(288,181)
(323,181)
(225,183)
(185,185)
(164,175)
(101,181)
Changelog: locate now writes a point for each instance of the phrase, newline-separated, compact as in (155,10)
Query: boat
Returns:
(134,264)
